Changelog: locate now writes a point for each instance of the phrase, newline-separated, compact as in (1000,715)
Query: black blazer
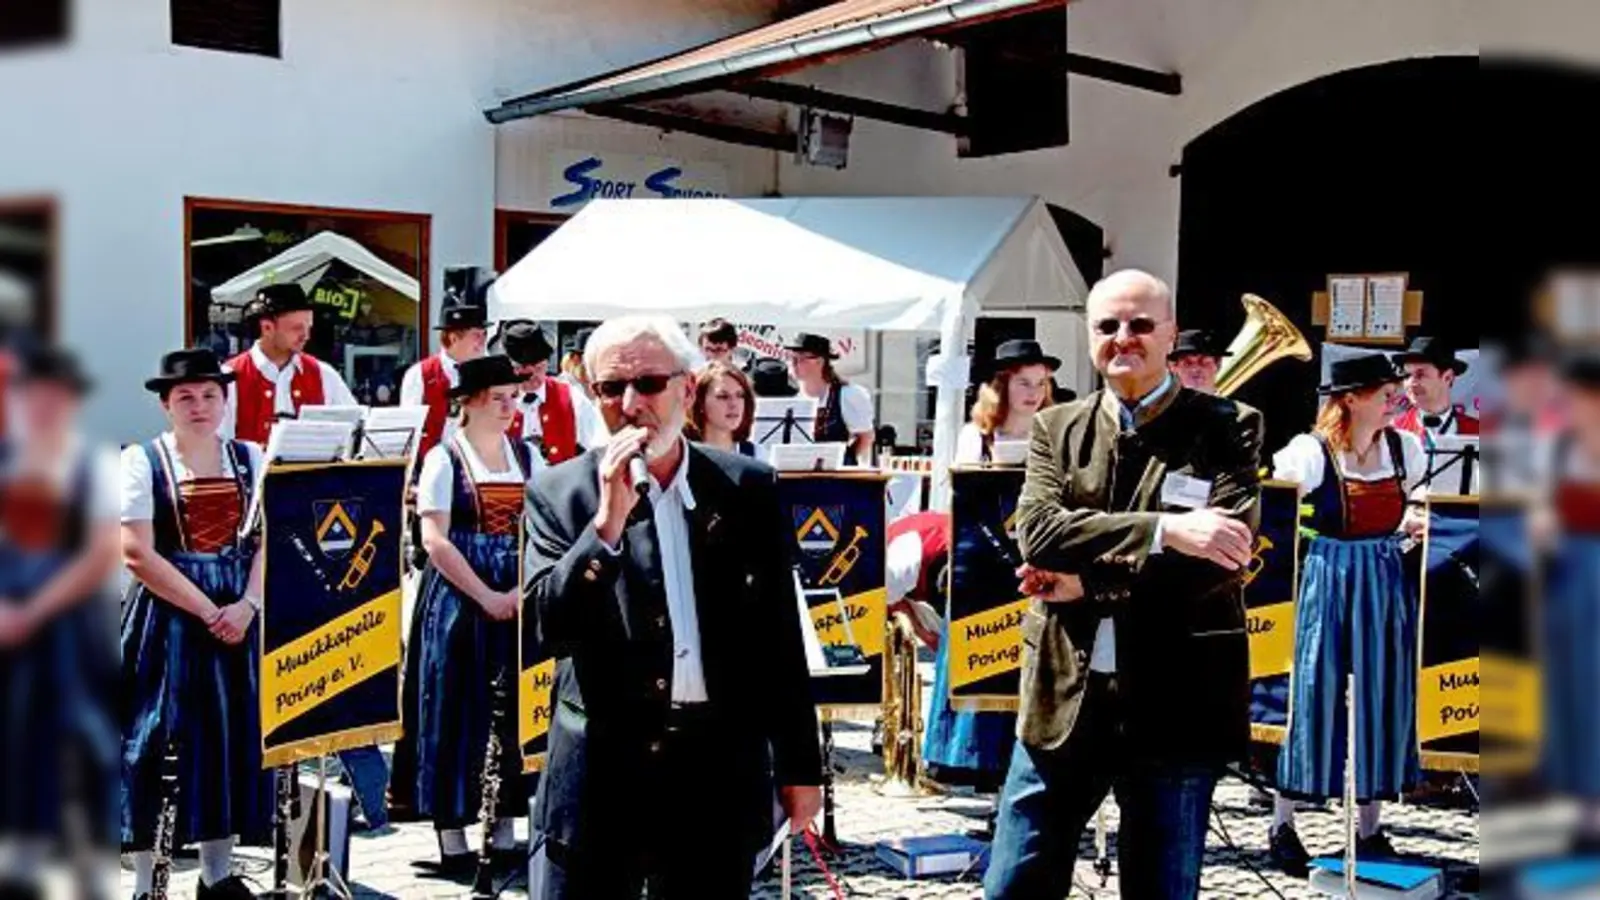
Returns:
(604,617)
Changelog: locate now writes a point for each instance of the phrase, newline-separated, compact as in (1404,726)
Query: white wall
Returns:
(375,104)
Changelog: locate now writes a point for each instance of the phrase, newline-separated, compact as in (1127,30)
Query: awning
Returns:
(882,263)
(834,30)
(306,262)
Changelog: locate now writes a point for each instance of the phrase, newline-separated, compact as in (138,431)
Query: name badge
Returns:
(1181,490)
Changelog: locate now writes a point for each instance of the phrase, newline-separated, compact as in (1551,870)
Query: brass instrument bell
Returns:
(1267,336)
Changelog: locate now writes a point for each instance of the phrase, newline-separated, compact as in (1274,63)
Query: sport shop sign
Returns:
(576,177)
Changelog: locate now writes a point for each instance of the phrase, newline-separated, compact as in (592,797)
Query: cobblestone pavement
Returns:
(382,862)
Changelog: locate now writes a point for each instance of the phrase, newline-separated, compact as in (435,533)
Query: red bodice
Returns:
(211,513)
(499,507)
(32,516)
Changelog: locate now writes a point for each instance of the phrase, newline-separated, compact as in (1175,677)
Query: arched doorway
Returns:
(1372,169)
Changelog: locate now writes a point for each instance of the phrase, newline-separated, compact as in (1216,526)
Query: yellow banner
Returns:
(313,669)
(1271,630)
(867,621)
(1447,700)
(534,702)
(1512,699)
(987,643)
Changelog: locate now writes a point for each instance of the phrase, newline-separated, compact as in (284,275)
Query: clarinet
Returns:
(483,881)
(287,803)
(166,822)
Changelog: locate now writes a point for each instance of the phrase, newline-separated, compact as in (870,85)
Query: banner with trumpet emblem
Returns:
(985,609)
(535,689)
(1448,711)
(1271,585)
(330,619)
(838,519)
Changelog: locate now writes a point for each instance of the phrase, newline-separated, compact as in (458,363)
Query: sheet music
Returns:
(392,432)
(293,440)
(1388,310)
(351,414)
(1009,453)
(1347,312)
(827,457)
(772,423)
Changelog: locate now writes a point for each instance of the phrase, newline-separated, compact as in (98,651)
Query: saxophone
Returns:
(166,823)
(483,881)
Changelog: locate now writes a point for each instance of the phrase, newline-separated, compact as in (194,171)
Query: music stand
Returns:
(1444,452)
(778,420)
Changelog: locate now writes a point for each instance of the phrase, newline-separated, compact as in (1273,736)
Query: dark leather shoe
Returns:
(1376,846)
(1288,855)
(454,866)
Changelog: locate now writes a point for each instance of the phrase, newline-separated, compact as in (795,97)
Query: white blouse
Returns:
(969,444)
(1302,461)
(436,484)
(138,482)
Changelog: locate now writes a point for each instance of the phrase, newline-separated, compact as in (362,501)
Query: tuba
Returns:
(1267,336)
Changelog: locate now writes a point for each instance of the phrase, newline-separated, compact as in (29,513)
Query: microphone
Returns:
(639,474)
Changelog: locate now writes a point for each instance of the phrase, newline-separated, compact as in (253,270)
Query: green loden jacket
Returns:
(1090,507)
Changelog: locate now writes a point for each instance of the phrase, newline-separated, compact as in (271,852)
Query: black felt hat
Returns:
(814,344)
(1522,347)
(188,367)
(277,299)
(54,364)
(1198,342)
(1023,352)
(1431,350)
(1357,372)
(466,298)
(524,341)
(483,373)
(770,378)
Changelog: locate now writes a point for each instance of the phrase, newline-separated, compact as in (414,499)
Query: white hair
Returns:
(627,329)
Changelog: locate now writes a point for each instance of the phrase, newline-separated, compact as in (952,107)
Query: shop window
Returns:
(234,26)
(515,233)
(30,23)
(366,273)
(28,265)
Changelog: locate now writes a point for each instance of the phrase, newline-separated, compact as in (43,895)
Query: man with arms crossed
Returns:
(1135,525)
(680,660)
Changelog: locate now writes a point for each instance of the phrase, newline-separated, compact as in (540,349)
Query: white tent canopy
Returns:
(305,263)
(880,263)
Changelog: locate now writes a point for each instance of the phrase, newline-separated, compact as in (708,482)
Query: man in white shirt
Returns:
(559,421)
(682,696)
(463,335)
(276,377)
(844,410)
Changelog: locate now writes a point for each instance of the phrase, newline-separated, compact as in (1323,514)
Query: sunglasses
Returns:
(1138,326)
(644,385)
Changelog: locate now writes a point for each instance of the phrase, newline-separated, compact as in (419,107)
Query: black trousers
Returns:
(688,834)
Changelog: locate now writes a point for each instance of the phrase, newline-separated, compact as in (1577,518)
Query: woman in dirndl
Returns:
(469,497)
(1357,611)
(59,551)
(189,631)
(974,748)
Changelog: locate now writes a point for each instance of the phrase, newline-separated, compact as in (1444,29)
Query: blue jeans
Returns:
(368,774)
(1050,796)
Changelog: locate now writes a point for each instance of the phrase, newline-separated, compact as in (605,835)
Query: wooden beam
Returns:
(1168,83)
(716,131)
(801,95)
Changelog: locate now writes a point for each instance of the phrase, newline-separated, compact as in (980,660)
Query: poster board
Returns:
(330,620)
(839,524)
(1271,589)
(1448,708)
(984,608)
(536,676)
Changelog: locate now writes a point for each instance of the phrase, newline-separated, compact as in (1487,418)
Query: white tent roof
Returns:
(304,264)
(885,263)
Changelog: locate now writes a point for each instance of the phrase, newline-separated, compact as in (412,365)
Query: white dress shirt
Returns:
(334,391)
(1448,479)
(411,393)
(670,509)
(590,427)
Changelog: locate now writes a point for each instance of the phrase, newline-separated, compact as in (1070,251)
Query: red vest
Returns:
(1411,420)
(436,396)
(256,409)
(558,423)
(933,528)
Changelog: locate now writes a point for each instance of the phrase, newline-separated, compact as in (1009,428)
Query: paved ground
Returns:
(382,861)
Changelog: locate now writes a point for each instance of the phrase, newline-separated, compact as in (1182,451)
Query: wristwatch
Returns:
(254,601)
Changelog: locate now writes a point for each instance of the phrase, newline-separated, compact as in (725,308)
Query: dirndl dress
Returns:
(1357,614)
(1570,635)
(180,684)
(455,653)
(58,689)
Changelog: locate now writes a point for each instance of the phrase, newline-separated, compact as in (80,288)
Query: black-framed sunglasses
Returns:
(1138,326)
(645,385)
